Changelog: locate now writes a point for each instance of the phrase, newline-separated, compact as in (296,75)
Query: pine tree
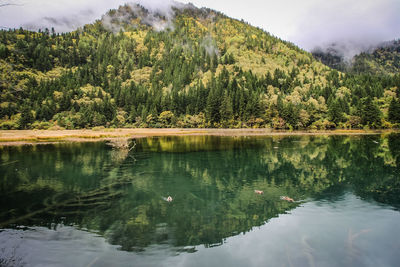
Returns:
(394,111)
(213,103)
(226,110)
(335,112)
(370,113)
(26,116)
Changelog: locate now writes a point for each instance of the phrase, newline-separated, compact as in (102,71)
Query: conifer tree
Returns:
(394,111)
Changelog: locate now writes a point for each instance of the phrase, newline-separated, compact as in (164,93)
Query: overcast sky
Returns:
(307,23)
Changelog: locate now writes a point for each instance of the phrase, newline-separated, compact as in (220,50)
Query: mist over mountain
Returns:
(63,15)
(159,17)
(307,23)
(382,59)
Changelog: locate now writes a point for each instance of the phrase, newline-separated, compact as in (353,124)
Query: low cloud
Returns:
(158,14)
(63,15)
(353,25)
(349,27)
(346,49)
(208,43)
(68,15)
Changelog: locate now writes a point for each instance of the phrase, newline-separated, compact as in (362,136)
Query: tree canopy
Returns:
(201,69)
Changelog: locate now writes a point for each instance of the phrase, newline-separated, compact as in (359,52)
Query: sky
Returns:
(354,24)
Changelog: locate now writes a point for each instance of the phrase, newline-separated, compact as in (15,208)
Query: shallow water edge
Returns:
(31,137)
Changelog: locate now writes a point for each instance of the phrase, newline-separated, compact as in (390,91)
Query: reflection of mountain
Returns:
(212,181)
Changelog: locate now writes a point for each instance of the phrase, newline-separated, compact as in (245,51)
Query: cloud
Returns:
(354,24)
(67,15)
(158,14)
(208,43)
(64,15)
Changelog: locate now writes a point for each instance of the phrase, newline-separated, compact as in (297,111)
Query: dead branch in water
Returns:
(121,148)
(119,143)
(122,143)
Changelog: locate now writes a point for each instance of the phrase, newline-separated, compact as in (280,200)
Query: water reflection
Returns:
(120,194)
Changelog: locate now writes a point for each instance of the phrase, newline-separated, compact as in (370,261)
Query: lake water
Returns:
(89,204)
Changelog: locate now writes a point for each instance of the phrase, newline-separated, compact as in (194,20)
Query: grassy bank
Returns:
(21,137)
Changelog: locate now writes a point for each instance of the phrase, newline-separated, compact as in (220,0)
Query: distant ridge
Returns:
(383,59)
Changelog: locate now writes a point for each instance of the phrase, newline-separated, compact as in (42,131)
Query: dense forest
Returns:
(187,67)
(384,59)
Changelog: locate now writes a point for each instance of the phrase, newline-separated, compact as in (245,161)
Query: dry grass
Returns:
(19,137)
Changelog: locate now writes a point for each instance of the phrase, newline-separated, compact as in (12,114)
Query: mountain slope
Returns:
(381,60)
(178,66)
(331,57)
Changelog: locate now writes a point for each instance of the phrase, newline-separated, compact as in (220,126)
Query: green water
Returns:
(87,204)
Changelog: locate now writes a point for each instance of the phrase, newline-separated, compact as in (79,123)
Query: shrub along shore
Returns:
(24,137)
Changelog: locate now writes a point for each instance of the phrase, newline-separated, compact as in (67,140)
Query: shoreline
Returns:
(31,137)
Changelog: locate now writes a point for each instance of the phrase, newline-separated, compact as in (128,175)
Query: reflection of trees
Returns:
(381,178)
(220,200)
(50,178)
(212,180)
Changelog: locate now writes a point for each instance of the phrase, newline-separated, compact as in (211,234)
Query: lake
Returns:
(95,204)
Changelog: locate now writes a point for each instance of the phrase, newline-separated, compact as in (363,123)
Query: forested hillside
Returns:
(184,67)
(381,60)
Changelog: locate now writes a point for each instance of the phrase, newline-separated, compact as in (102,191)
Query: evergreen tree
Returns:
(370,113)
(226,110)
(394,111)
(335,112)
(26,117)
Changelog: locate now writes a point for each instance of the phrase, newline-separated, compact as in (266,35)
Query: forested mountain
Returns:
(181,67)
(332,56)
(381,60)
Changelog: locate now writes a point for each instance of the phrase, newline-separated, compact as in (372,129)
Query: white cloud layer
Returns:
(307,23)
(64,15)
